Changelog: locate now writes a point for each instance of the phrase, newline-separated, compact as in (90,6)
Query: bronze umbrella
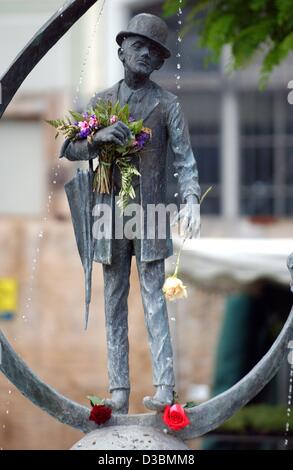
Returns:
(80,196)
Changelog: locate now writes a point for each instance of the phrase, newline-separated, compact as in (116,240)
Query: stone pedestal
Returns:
(129,438)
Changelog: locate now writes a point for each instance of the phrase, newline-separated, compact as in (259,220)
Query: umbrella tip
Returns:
(86,318)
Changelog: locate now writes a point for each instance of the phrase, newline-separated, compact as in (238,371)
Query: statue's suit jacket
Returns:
(161,111)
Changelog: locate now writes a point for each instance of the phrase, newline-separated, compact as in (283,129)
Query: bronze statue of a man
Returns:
(142,50)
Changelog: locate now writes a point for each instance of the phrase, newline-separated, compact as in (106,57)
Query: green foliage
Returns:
(95,400)
(104,110)
(249,27)
(76,116)
(259,419)
(190,404)
(109,153)
(128,170)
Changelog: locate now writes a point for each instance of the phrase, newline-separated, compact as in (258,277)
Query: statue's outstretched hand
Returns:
(188,218)
(117,133)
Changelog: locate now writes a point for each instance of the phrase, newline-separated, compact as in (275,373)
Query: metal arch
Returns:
(204,417)
(46,37)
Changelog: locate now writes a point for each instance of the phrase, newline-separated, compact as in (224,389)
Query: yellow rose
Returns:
(173,288)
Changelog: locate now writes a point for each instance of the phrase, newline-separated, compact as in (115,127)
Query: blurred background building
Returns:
(243,144)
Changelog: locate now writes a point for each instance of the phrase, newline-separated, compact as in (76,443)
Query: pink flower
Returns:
(93,122)
(113,119)
(83,125)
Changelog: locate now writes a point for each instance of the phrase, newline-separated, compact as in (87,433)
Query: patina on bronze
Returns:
(204,418)
(143,50)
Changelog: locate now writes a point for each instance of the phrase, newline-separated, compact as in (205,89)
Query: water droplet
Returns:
(179,22)
(178,66)
(23,317)
(175,175)
(179,39)
(54,181)
(173,319)
(3,426)
(178,77)
(40,234)
(179,11)
(178,54)
(165,430)
(178,87)
(9,391)
(176,195)
(7,412)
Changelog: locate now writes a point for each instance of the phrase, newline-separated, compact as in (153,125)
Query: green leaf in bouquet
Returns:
(103,119)
(76,116)
(53,122)
(125,110)
(136,126)
(108,109)
(99,109)
(116,108)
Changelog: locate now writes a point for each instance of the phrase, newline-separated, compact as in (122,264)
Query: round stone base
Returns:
(128,438)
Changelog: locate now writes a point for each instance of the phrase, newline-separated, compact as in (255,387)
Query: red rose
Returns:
(100,414)
(175,417)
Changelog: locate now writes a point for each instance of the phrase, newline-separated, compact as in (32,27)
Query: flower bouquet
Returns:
(79,126)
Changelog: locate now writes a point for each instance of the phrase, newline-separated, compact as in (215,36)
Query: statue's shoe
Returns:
(162,398)
(119,401)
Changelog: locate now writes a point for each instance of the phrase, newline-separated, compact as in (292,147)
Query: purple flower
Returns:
(142,139)
(84,133)
(131,118)
(85,115)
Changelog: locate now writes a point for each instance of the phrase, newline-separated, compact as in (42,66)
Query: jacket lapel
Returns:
(147,103)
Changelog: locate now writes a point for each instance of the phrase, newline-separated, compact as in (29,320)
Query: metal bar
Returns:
(46,37)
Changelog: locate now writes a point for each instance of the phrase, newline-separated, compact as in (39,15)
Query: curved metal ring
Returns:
(204,417)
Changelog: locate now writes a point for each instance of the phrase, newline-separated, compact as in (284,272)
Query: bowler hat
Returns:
(148,26)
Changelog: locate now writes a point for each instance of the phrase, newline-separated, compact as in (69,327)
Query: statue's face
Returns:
(140,55)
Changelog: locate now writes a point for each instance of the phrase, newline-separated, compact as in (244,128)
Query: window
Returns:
(266,154)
